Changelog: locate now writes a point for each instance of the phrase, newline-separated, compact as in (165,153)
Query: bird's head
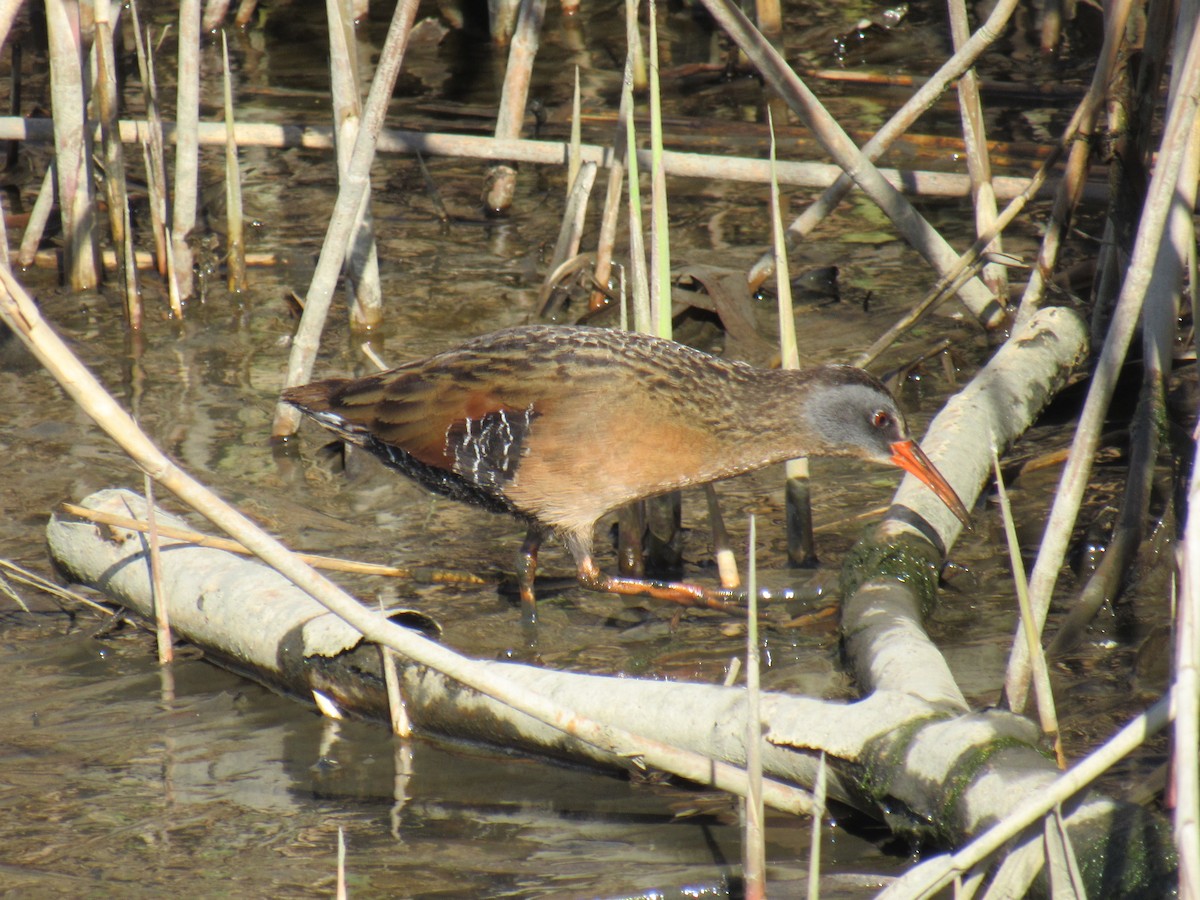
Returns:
(850,413)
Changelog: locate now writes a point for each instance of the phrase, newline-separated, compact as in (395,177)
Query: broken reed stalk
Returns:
(570,231)
(660,237)
(664,514)
(351,191)
(19,311)
(979,165)
(754,844)
(72,145)
(723,555)
(39,215)
(814,852)
(365,293)
(801,542)
(1185,767)
(677,163)
(639,280)
(213,15)
(612,197)
(1070,188)
(424,576)
(235,241)
(151,140)
(769,16)
(245,13)
(187,146)
(1047,716)
(915,229)
(397,712)
(501,182)
(162,617)
(114,164)
(1051,24)
(899,123)
(576,140)
(1181,120)
(142,259)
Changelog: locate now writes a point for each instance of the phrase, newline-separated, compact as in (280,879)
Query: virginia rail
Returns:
(560,425)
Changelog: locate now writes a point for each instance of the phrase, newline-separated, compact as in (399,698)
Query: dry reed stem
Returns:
(351,193)
(612,196)
(801,542)
(214,14)
(754,844)
(502,15)
(1051,24)
(900,122)
(235,241)
(814,853)
(639,281)
(1070,188)
(911,224)
(24,576)
(397,711)
(1047,715)
(727,568)
(162,617)
(1147,246)
(769,17)
(187,147)
(8,12)
(35,227)
(979,165)
(1185,767)
(142,259)
(245,13)
(501,181)
(72,145)
(150,137)
(19,311)
(570,231)
(362,259)
(675,163)
(114,163)
(425,576)
(576,139)
(660,232)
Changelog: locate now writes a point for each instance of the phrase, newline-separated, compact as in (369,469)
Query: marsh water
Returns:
(119,780)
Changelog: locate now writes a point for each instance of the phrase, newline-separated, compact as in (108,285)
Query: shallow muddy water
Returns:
(115,782)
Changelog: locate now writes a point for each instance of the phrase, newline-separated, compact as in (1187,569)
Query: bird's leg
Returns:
(592,578)
(527,570)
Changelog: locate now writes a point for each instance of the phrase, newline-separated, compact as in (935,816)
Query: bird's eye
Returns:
(881,419)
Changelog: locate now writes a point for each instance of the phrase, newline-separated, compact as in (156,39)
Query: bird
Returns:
(559,425)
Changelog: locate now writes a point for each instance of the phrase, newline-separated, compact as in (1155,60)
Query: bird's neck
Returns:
(760,423)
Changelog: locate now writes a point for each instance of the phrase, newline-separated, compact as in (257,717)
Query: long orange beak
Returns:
(911,458)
